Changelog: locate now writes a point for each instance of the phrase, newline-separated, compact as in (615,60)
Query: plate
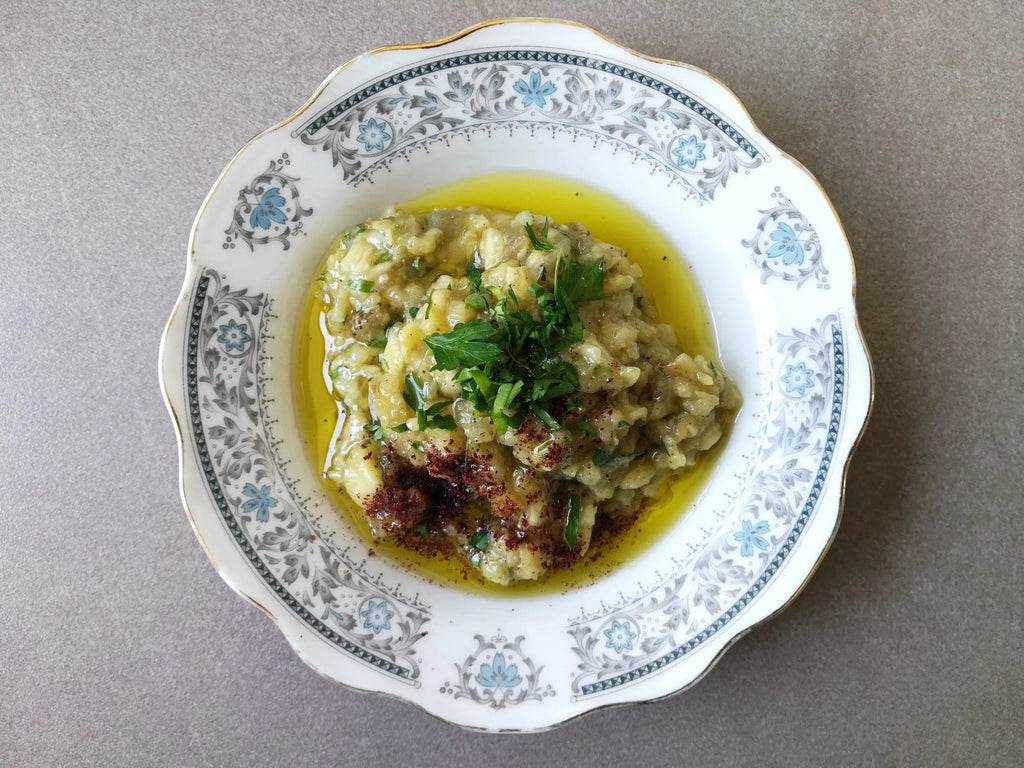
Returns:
(535,97)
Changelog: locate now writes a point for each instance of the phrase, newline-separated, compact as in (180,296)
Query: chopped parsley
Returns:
(509,363)
(572,522)
(379,341)
(601,457)
(363,286)
(479,540)
(465,346)
(427,417)
(586,427)
(353,233)
(539,243)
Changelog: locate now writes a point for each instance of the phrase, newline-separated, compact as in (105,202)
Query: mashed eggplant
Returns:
(505,385)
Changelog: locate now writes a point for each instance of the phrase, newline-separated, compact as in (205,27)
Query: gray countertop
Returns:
(120,645)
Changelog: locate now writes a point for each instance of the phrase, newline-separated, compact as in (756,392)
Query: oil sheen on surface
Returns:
(679,303)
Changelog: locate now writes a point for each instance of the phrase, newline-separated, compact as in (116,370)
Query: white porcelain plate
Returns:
(519,96)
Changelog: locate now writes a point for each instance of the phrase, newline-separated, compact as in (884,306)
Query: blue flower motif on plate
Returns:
(689,152)
(377,616)
(798,379)
(787,247)
(535,91)
(260,501)
(374,135)
(268,209)
(620,636)
(750,537)
(234,336)
(499,673)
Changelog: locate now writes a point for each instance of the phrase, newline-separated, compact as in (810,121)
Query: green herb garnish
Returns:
(426,417)
(376,431)
(353,233)
(509,363)
(413,311)
(539,243)
(479,540)
(544,416)
(363,286)
(378,341)
(464,346)
(601,457)
(572,523)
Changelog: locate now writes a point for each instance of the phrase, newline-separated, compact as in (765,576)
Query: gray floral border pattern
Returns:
(498,674)
(325,591)
(786,246)
(268,209)
(533,88)
(639,639)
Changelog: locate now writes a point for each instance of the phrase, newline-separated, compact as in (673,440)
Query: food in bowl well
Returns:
(507,391)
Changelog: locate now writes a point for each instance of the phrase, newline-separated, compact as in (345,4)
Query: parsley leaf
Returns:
(363,286)
(430,417)
(601,457)
(583,282)
(506,393)
(474,275)
(479,540)
(446,421)
(353,233)
(542,243)
(413,391)
(572,523)
(464,346)
(544,416)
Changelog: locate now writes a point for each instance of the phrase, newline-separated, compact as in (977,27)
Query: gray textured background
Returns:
(119,644)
